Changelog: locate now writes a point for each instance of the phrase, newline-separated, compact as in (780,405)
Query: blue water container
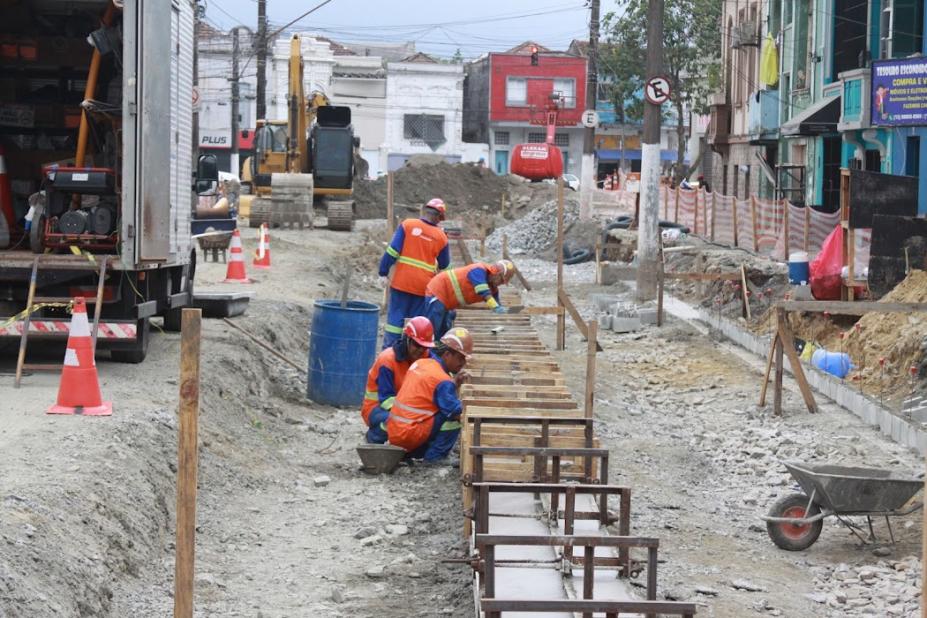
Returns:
(342,347)
(799,273)
(834,363)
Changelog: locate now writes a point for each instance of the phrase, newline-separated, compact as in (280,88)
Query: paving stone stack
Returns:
(622,317)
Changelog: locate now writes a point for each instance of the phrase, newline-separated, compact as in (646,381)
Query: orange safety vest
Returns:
(453,288)
(417,263)
(386,358)
(413,412)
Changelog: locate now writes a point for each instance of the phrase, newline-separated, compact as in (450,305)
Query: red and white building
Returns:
(506,96)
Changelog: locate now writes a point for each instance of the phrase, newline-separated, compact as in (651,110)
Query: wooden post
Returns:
(505,245)
(598,260)
(769,364)
(850,234)
(787,340)
(390,215)
(695,216)
(746,297)
(777,389)
(592,338)
(700,268)
(714,207)
(187,462)
(756,243)
(661,279)
(807,238)
(785,224)
(734,202)
(665,201)
(676,215)
(561,319)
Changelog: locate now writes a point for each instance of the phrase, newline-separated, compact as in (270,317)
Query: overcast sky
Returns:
(436,26)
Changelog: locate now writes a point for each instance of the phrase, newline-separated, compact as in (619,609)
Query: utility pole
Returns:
(235,99)
(648,233)
(588,171)
(261,43)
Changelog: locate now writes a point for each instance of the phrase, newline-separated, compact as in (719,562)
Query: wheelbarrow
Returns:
(795,521)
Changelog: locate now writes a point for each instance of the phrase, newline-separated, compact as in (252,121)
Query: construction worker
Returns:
(388,372)
(465,286)
(425,419)
(419,249)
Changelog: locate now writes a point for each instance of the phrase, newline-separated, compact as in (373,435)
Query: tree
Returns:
(691,59)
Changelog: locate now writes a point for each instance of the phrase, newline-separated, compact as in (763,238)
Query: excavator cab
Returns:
(331,149)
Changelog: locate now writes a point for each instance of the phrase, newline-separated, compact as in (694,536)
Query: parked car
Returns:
(569,181)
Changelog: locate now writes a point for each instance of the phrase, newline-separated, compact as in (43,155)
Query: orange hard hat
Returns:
(420,330)
(437,204)
(505,268)
(459,340)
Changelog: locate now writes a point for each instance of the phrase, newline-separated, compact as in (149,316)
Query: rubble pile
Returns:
(536,231)
(887,588)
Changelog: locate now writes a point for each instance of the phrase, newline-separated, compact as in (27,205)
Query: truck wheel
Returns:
(37,231)
(794,537)
(139,349)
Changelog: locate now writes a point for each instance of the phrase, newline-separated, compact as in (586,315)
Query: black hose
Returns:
(578,257)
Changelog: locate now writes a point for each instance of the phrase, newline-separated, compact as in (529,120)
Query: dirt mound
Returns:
(465,187)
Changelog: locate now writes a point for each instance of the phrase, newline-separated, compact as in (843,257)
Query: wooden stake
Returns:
(598,260)
(676,215)
(769,363)
(734,202)
(788,343)
(561,319)
(592,330)
(665,202)
(785,223)
(756,242)
(695,216)
(807,238)
(390,215)
(744,290)
(187,462)
(777,390)
(714,207)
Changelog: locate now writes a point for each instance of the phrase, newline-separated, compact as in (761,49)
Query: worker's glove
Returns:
(500,309)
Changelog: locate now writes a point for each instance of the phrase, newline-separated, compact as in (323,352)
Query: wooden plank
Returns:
(746,297)
(788,343)
(838,307)
(578,319)
(777,387)
(590,368)
(561,319)
(187,462)
(491,411)
(521,278)
(514,393)
(549,404)
(464,251)
(769,363)
(516,380)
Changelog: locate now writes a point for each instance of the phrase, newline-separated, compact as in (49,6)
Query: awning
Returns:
(608,155)
(818,119)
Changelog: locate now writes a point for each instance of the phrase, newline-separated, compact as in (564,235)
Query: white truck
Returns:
(127,199)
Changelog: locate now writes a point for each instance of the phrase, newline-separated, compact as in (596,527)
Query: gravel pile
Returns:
(536,231)
(887,588)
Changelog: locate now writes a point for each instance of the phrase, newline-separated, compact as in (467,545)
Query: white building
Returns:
(424,112)
(360,83)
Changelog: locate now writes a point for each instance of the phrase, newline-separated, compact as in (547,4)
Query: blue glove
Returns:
(500,309)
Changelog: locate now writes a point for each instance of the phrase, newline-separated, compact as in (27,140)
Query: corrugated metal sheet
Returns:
(181,126)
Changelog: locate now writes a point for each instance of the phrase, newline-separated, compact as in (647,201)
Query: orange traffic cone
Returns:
(79,391)
(262,255)
(235,273)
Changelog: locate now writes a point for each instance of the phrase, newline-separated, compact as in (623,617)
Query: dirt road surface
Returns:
(287,526)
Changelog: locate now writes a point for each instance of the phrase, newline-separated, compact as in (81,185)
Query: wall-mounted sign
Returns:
(899,92)
(215,138)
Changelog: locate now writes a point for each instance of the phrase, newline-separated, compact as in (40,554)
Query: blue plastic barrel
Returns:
(834,363)
(799,273)
(342,347)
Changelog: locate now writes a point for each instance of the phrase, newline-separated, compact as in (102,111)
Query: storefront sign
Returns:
(899,92)
(215,138)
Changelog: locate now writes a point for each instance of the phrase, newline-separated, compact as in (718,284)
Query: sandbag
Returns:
(826,266)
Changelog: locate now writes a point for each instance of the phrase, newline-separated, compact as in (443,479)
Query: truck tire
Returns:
(138,350)
(37,231)
(340,216)
(794,537)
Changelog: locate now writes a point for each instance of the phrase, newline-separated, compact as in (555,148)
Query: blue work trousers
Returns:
(444,434)
(402,306)
(441,319)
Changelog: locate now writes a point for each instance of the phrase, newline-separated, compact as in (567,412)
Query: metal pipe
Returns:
(93,75)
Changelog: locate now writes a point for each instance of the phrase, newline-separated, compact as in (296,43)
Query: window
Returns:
(567,89)
(537,138)
(900,28)
(424,128)
(802,25)
(501,138)
(562,140)
(516,91)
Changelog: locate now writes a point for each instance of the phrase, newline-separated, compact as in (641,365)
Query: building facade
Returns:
(506,98)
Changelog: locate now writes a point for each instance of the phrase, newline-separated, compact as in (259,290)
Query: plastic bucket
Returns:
(799,273)
(342,347)
(834,363)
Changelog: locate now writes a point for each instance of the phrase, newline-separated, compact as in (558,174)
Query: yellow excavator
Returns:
(310,157)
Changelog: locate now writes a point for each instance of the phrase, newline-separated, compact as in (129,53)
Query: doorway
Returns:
(502,162)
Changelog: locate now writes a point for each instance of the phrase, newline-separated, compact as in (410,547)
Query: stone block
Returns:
(605,322)
(647,316)
(625,325)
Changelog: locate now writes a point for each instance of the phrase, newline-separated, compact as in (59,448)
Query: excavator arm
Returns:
(298,152)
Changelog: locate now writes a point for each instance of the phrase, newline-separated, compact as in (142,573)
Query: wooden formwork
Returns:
(523,433)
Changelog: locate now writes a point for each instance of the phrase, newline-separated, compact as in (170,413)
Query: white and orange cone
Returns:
(235,273)
(79,391)
(262,255)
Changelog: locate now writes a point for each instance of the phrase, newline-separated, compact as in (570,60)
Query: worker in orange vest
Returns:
(388,372)
(425,419)
(464,286)
(419,249)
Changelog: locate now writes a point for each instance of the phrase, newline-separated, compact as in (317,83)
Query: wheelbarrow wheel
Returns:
(794,537)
